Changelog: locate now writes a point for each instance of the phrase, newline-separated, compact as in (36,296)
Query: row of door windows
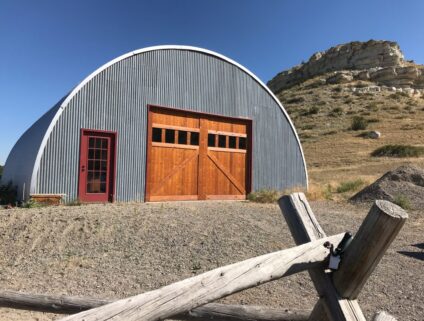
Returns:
(226,141)
(184,137)
(173,136)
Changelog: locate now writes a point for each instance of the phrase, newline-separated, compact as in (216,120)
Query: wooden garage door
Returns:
(194,156)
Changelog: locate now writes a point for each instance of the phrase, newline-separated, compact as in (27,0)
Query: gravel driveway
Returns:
(122,249)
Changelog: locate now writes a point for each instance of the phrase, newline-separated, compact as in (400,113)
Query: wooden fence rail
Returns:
(188,294)
(215,311)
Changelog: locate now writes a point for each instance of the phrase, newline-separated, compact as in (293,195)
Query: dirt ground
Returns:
(119,250)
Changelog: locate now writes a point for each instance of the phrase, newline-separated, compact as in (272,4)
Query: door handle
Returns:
(83,168)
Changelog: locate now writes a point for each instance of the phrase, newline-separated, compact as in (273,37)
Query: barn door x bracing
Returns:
(97,166)
(194,156)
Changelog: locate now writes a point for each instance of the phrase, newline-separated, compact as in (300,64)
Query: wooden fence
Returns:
(190,298)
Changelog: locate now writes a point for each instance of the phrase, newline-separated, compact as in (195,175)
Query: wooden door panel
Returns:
(175,119)
(175,171)
(230,173)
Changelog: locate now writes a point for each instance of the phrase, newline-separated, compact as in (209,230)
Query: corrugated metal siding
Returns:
(20,162)
(116,99)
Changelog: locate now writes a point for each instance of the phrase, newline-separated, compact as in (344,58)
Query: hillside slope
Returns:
(322,107)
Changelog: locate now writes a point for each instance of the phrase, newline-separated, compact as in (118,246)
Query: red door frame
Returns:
(249,132)
(109,196)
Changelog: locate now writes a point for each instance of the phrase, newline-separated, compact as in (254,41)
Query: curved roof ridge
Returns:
(76,89)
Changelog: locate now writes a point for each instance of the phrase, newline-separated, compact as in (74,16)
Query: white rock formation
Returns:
(381,62)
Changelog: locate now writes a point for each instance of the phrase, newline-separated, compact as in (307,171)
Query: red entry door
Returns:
(97,166)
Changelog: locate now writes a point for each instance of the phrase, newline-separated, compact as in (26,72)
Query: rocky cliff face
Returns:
(381,62)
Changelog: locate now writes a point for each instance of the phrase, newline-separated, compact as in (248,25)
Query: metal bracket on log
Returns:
(339,291)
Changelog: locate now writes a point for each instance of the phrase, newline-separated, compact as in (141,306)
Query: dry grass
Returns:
(335,154)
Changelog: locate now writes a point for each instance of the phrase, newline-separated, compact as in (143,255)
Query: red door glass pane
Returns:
(97,164)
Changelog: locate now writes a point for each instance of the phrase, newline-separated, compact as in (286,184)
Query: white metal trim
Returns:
(136,52)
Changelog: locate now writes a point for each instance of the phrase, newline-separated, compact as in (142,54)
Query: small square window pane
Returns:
(182,137)
(232,142)
(104,143)
(99,143)
(157,135)
(97,153)
(104,154)
(91,153)
(97,165)
(91,142)
(211,140)
(242,143)
(222,141)
(102,187)
(170,136)
(194,138)
(90,165)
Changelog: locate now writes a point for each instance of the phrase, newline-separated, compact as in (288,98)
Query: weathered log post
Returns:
(187,294)
(304,228)
(375,235)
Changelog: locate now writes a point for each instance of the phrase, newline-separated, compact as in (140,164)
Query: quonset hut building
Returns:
(160,123)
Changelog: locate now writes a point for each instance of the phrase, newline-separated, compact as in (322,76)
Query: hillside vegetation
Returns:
(325,110)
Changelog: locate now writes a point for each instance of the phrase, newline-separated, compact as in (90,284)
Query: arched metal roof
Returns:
(69,97)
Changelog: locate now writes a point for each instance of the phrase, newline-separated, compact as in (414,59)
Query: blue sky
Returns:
(49,46)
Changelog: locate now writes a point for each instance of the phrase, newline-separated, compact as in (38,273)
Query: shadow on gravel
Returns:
(415,255)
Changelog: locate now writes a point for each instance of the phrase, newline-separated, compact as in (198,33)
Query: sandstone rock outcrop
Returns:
(381,62)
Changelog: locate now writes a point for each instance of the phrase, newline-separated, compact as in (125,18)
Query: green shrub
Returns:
(308,127)
(32,204)
(311,111)
(349,186)
(359,123)
(398,95)
(398,151)
(264,196)
(8,194)
(335,112)
(373,106)
(402,201)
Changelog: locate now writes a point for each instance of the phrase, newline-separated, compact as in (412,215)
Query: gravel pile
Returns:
(119,250)
(405,182)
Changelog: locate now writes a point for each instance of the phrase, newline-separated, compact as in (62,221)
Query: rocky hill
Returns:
(370,80)
(381,62)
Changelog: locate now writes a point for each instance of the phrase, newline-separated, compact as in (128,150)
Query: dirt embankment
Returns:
(118,250)
(403,183)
